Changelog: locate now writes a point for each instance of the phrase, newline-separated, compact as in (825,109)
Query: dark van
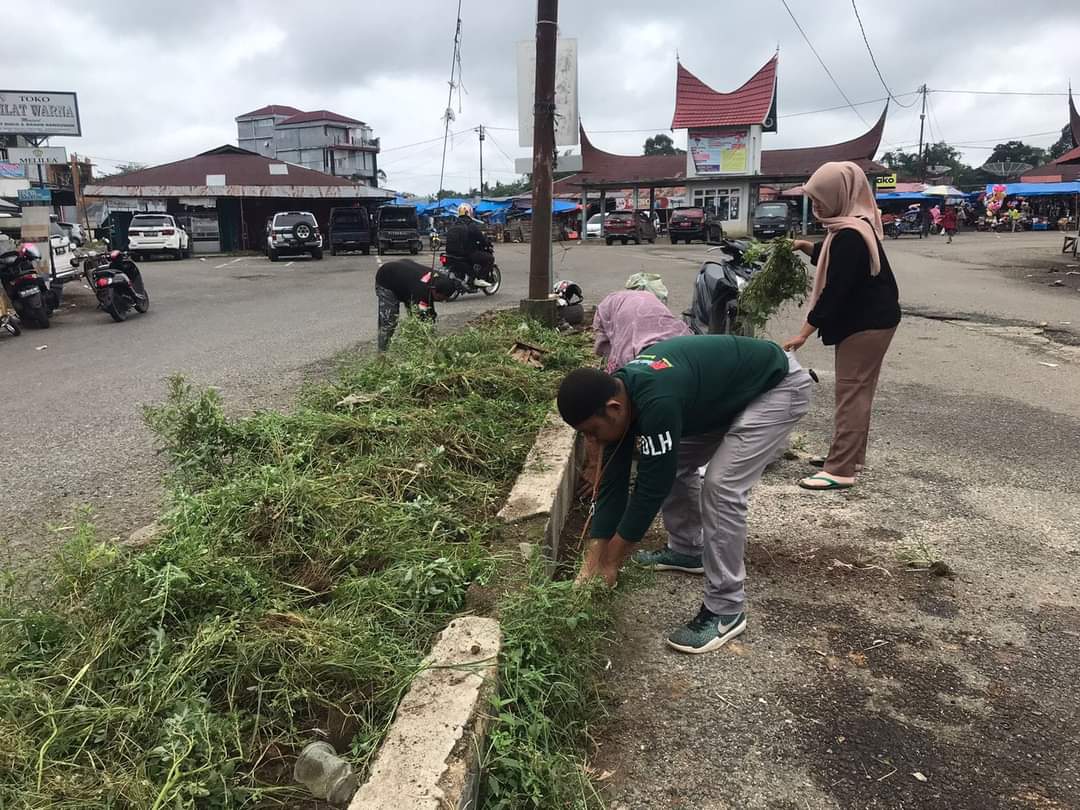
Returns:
(771,219)
(397,227)
(350,229)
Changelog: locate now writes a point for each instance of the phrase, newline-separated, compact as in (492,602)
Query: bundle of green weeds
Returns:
(783,278)
(307,560)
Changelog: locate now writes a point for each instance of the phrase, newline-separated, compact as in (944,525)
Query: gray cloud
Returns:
(159,81)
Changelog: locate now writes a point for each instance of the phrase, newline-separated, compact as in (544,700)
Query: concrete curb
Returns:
(430,759)
(544,492)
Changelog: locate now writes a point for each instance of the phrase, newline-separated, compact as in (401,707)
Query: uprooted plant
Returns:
(307,560)
(783,278)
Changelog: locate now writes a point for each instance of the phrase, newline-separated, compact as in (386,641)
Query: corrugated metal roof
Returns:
(240,167)
(271,109)
(805,161)
(318,115)
(698,105)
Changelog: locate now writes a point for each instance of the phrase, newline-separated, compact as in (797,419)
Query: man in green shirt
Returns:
(724,402)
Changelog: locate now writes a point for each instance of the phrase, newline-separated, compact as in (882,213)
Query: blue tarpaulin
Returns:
(913,196)
(557,207)
(1036,189)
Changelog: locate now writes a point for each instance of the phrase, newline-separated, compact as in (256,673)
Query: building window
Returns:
(723,203)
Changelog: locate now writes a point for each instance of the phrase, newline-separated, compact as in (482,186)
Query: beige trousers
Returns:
(858,364)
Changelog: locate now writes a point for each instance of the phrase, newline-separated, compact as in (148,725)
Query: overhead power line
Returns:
(1000,92)
(874,61)
(823,65)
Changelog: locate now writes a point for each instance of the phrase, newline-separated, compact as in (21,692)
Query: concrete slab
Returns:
(544,491)
(430,760)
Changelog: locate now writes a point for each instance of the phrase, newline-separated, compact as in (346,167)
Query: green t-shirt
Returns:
(685,386)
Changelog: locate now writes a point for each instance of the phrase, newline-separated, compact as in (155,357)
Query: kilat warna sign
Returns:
(34,112)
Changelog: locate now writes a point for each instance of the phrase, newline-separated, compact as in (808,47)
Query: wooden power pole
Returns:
(538,305)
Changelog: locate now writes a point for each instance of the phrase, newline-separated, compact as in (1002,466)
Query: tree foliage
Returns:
(661,144)
(1017,152)
(1063,144)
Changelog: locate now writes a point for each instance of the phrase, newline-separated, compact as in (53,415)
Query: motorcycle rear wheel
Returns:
(111,303)
(36,314)
(143,305)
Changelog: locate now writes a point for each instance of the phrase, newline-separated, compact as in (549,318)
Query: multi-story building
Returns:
(321,140)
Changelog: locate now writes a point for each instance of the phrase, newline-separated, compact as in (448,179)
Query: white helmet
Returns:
(464,210)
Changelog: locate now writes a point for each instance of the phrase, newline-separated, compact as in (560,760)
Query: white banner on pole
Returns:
(566,92)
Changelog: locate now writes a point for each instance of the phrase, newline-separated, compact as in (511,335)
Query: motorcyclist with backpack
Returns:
(465,241)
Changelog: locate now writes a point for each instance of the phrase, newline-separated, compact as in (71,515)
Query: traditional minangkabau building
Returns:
(1067,167)
(725,166)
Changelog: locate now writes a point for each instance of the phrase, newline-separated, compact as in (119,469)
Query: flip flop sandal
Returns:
(830,483)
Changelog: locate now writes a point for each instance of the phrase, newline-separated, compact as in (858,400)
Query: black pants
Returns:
(389,309)
(485,261)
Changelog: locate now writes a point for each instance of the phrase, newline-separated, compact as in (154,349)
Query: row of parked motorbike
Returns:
(114,278)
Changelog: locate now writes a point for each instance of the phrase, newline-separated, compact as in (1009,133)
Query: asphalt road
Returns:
(254,329)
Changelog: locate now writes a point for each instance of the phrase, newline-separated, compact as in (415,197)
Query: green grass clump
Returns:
(548,695)
(307,560)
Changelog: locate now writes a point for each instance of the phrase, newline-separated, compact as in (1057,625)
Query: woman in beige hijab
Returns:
(854,306)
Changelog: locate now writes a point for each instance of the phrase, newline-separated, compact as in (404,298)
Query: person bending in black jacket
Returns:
(409,283)
(855,307)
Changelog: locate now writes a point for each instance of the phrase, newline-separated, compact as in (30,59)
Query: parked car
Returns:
(349,229)
(73,230)
(593,226)
(772,219)
(397,227)
(626,226)
(292,233)
(157,233)
(686,224)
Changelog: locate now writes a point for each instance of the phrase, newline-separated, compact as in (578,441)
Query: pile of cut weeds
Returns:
(307,560)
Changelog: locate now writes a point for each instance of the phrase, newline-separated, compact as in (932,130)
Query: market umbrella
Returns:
(943,191)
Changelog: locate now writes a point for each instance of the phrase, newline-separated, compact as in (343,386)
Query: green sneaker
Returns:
(667,560)
(706,632)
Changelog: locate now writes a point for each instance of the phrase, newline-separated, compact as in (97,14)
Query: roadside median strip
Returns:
(304,563)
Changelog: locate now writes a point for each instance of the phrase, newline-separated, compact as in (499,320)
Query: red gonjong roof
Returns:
(698,105)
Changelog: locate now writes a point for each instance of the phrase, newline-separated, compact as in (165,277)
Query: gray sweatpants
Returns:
(709,517)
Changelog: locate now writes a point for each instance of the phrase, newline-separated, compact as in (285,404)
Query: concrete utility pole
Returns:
(481,161)
(538,305)
(922,121)
(80,203)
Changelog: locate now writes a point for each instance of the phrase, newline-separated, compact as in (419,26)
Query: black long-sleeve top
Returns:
(852,299)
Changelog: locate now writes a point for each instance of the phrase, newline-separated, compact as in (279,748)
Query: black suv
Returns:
(350,229)
(397,228)
(293,232)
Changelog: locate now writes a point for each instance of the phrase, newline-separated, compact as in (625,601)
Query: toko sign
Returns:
(39,113)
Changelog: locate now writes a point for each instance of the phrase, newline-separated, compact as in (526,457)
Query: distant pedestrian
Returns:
(409,283)
(854,306)
(948,222)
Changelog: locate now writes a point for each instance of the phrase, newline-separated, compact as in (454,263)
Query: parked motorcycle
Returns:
(715,306)
(117,282)
(899,226)
(467,274)
(29,292)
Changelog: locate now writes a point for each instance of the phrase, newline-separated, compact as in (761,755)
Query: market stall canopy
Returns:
(558,207)
(904,195)
(943,191)
(1036,189)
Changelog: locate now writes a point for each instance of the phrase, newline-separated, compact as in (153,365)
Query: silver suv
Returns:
(292,232)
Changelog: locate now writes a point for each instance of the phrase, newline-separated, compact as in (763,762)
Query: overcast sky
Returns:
(160,81)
